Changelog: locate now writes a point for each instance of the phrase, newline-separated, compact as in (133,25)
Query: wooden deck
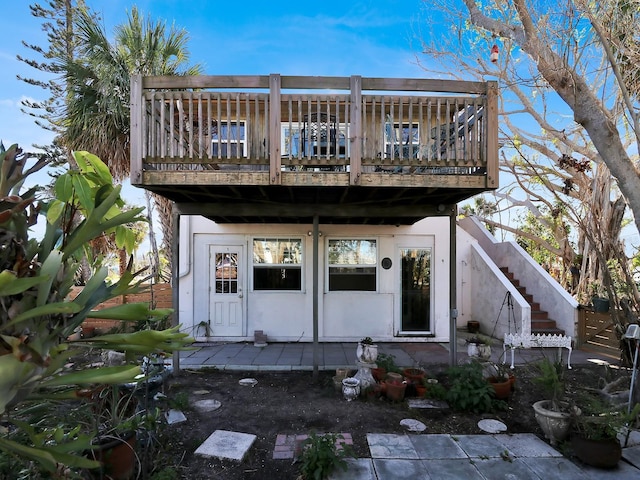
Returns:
(277,148)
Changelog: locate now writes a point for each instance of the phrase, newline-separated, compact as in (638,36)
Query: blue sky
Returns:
(251,37)
(368,38)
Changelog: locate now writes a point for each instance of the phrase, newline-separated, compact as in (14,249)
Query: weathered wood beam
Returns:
(302,210)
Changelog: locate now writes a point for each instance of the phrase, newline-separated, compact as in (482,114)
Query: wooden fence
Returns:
(596,332)
(158,295)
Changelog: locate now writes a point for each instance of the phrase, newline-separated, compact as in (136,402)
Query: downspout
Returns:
(175,276)
(453,320)
(315,296)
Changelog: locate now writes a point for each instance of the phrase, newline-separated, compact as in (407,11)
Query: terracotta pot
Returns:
(473,326)
(414,374)
(421,391)
(602,453)
(378,374)
(393,376)
(117,456)
(512,380)
(501,387)
(395,390)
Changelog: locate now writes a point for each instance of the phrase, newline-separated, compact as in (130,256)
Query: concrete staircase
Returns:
(540,321)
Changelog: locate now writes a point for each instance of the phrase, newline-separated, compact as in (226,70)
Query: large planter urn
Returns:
(350,388)
(479,350)
(367,352)
(555,425)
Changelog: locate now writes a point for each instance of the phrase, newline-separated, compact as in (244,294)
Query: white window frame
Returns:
(228,141)
(255,265)
(373,265)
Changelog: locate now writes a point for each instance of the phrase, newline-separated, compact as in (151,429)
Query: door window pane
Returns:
(226,272)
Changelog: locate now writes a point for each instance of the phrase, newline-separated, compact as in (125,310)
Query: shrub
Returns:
(469,391)
(320,456)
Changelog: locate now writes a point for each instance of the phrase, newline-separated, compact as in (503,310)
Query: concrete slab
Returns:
(556,467)
(527,445)
(357,469)
(382,445)
(496,468)
(226,445)
(623,471)
(476,446)
(438,446)
(632,455)
(452,469)
(393,469)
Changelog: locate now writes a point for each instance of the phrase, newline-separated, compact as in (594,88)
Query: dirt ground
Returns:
(292,403)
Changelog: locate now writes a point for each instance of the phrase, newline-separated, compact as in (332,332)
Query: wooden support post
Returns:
(355,134)
(275,160)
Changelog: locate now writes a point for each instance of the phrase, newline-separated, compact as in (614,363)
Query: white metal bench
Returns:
(517,340)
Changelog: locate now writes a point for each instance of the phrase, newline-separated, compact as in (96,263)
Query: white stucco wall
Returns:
(288,316)
(545,290)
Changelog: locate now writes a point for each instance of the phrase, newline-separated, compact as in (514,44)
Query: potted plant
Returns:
(479,347)
(116,419)
(599,298)
(499,377)
(367,351)
(385,363)
(554,414)
(594,437)
(414,374)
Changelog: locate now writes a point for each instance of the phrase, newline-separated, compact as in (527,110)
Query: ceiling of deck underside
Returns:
(333,205)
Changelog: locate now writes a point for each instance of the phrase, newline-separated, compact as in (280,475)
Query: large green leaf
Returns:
(10,284)
(87,159)
(90,376)
(63,308)
(83,192)
(55,211)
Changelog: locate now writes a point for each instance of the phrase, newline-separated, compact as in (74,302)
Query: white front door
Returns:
(226,287)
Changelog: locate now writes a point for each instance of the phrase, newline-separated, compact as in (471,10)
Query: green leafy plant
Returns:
(388,362)
(599,420)
(469,391)
(551,378)
(366,341)
(321,456)
(37,316)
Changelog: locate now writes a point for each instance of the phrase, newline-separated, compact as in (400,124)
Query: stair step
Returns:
(543,323)
(537,315)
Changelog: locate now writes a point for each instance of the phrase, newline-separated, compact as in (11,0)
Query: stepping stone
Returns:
(248,382)
(204,406)
(413,425)
(492,426)
(201,392)
(175,416)
(226,445)
(428,404)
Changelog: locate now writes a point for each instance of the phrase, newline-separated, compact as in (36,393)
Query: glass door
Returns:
(415,290)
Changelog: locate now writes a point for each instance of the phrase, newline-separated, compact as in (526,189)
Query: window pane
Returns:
(276,264)
(352,252)
(352,279)
(278,251)
(275,278)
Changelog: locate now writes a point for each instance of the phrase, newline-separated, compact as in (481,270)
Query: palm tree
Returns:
(97,112)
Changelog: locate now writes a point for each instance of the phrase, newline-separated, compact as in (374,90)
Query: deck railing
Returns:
(259,123)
